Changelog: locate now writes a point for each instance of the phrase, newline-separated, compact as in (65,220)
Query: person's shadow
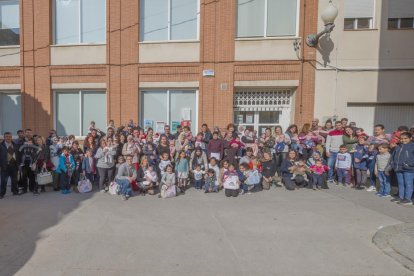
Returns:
(325,48)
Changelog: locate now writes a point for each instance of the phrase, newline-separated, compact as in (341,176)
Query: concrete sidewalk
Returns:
(274,232)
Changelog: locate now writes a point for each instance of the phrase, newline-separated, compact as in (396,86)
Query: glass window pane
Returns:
(67,21)
(67,113)
(10,113)
(269,117)
(364,23)
(154,20)
(183,107)
(349,23)
(183,19)
(9,23)
(281,17)
(393,23)
(406,23)
(93,21)
(154,106)
(93,109)
(250,18)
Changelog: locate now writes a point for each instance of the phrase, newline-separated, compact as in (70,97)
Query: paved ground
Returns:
(269,233)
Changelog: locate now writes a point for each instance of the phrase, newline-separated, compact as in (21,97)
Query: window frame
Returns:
(11,92)
(80,94)
(355,23)
(54,29)
(168,100)
(399,23)
(15,45)
(265,36)
(169,40)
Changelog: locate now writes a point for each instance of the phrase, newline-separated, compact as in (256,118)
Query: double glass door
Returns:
(256,120)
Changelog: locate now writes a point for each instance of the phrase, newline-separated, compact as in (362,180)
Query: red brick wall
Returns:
(122,73)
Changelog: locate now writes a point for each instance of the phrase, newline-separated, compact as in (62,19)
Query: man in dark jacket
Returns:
(9,156)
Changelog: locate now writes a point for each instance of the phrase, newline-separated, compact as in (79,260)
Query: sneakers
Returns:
(385,196)
(124,197)
(397,200)
(371,189)
(241,192)
(405,202)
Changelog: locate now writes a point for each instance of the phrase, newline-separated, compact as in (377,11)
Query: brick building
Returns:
(66,62)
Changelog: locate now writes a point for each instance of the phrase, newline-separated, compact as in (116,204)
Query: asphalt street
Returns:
(274,232)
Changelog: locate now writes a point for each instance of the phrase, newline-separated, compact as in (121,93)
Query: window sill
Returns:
(169,41)
(78,44)
(360,30)
(266,38)
(401,29)
(10,47)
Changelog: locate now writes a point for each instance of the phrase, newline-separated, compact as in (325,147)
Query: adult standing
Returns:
(106,164)
(268,142)
(167,133)
(163,146)
(403,164)
(333,141)
(282,151)
(43,161)
(9,156)
(379,137)
(198,157)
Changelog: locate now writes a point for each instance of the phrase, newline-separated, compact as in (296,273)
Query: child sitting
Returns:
(151,178)
(231,182)
(198,177)
(268,170)
(168,188)
(210,182)
(318,169)
(299,169)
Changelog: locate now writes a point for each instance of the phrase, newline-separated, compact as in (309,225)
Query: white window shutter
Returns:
(401,9)
(359,8)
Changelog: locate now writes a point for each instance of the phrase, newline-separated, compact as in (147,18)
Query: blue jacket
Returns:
(361,153)
(61,167)
(403,158)
(284,167)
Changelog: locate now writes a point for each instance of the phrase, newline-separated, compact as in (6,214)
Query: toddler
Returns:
(210,182)
(182,169)
(198,177)
(318,169)
(343,165)
(168,188)
(150,176)
(164,162)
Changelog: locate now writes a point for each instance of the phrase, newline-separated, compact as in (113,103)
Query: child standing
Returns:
(213,165)
(360,163)
(168,183)
(318,169)
(65,169)
(383,166)
(343,165)
(164,162)
(371,161)
(88,166)
(210,183)
(198,177)
(182,169)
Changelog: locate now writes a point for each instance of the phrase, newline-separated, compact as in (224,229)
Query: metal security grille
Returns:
(262,100)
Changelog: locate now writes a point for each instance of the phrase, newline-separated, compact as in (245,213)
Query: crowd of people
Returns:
(138,161)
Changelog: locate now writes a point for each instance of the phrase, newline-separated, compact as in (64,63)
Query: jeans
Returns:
(343,175)
(405,185)
(104,174)
(6,172)
(64,181)
(198,184)
(125,186)
(361,177)
(317,179)
(385,185)
(213,187)
(331,164)
(371,169)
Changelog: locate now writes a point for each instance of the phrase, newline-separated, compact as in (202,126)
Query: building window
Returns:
(9,23)
(164,20)
(359,14)
(400,14)
(74,110)
(171,107)
(10,112)
(267,18)
(79,21)
(400,23)
(258,109)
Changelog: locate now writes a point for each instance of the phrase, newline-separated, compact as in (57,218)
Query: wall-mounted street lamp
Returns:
(328,16)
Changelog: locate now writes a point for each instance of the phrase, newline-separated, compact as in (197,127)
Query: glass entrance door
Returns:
(256,120)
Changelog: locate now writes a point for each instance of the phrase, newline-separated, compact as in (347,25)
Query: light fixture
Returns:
(328,16)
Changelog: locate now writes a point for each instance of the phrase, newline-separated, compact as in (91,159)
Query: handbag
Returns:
(113,188)
(44,178)
(231,183)
(84,185)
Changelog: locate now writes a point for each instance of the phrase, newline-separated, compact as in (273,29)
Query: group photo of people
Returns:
(129,160)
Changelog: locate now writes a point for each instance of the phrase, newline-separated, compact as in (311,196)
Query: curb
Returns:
(387,240)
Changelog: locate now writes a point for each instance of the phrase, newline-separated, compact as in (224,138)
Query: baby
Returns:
(150,176)
(299,168)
